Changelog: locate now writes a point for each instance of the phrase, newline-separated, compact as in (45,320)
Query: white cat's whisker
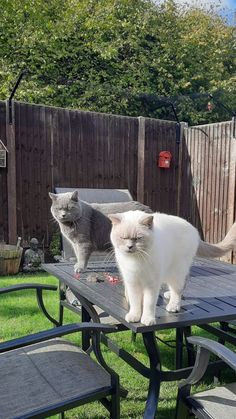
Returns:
(105,244)
(110,257)
(143,255)
(53,220)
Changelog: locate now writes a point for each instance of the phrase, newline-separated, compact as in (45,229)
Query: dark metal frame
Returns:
(154,372)
(205,347)
(90,296)
(112,404)
(39,294)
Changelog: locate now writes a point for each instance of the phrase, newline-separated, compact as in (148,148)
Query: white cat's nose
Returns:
(130,246)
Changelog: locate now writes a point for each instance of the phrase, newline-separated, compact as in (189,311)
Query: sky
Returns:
(226,8)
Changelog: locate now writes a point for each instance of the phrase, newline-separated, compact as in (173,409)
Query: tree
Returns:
(109,55)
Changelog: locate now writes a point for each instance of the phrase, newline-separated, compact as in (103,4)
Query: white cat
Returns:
(155,249)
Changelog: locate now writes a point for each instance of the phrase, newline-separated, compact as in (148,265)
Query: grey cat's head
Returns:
(131,232)
(66,206)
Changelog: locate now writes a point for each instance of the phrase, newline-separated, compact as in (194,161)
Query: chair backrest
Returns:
(91,195)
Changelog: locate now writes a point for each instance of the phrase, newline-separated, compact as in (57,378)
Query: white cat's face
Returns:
(65,207)
(131,232)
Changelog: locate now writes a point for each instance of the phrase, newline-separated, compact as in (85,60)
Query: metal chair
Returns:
(42,374)
(216,403)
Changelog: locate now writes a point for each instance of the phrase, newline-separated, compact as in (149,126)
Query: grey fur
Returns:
(85,225)
(228,244)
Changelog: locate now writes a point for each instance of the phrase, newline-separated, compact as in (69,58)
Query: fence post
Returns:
(141,159)
(232,183)
(11,172)
(183,125)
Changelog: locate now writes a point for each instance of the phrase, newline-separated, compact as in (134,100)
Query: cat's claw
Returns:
(132,318)
(148,321)
(173,308)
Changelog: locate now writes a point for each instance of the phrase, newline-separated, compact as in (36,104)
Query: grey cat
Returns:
(86,226)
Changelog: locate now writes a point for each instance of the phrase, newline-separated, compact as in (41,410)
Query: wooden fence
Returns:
(208,158)
(51,147)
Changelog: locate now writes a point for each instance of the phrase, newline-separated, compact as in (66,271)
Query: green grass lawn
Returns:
(19,316)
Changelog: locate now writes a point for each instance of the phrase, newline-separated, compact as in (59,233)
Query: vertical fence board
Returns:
(3,179)
(161,187)
(11,173)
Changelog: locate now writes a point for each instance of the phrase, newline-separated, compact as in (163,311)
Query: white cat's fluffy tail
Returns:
(207,250)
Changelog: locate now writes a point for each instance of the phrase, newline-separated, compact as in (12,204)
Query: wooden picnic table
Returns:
(209,297)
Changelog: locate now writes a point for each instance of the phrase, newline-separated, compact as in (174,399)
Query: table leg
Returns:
(85,317)
(179,348)
(189,346)
(62,297)
(155,375)
(224,327)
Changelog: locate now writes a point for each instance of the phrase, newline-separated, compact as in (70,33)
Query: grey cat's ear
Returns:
(115,218)
(147,221)
(53,196)
(75,196)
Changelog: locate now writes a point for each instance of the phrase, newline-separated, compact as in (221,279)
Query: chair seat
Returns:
(218,403)
(48,374)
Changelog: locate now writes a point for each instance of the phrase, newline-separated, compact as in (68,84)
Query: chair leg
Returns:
(62,415)
(181,412)
(115,406)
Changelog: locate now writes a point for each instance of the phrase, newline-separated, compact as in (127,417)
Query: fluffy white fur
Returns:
(151,250)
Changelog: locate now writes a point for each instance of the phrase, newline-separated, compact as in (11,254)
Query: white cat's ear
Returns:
(75,196)
(147,221)
(53,196)
(115,218)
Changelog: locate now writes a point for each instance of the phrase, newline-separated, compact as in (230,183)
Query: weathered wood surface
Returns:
(208,181)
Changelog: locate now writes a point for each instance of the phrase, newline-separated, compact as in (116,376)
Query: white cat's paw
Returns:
(167,295)
(173,307)
(78,267)
(132,317)
(148,320)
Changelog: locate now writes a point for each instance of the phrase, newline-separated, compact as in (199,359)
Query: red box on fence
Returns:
(164,159)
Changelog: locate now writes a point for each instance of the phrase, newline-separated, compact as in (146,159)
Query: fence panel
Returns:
(208,179)
(58,147)
(160,184)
